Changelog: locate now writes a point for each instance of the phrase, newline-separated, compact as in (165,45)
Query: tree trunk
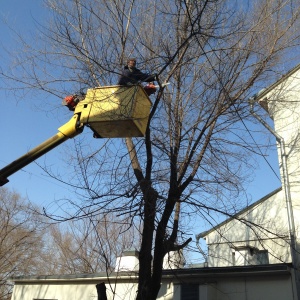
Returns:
(101,291)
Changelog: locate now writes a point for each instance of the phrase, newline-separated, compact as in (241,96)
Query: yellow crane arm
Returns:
(65,132)
(110,112)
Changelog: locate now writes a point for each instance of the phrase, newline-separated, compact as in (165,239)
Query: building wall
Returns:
(284,108)
(223,288)
(254,289)
(81,290)
(54,291)
(262,228)
(266,226)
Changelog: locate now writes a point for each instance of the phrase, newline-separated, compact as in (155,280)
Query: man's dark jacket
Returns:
(133,76)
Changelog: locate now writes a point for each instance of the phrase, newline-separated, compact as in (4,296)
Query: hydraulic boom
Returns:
(110,112)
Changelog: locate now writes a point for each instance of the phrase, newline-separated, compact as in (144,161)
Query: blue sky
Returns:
(24,125)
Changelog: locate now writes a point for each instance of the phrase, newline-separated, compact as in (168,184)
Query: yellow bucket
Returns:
(115,111)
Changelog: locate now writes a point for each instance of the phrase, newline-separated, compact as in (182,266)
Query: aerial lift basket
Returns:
(115,111)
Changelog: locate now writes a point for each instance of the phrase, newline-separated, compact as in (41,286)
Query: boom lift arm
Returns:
(110,112)
(69,130)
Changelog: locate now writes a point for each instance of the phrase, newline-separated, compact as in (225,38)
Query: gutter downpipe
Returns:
(290,214)
(198,236)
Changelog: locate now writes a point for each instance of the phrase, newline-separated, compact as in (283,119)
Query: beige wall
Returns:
(255,288)
(233,288)
(80,290)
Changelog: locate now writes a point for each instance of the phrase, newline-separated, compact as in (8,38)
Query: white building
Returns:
(120,284)
(267,232)
(246,282)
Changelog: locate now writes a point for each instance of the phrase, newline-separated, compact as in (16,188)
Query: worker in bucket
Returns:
(132,75)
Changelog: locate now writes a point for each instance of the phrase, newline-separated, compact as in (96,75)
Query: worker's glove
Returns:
(150,88)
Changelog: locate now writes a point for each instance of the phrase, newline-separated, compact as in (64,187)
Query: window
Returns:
(262,257)
(243,256)
(189,292)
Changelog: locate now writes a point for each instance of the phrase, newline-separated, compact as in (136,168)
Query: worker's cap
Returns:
(131,59)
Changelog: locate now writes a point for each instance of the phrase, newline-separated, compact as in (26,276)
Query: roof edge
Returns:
(205,233)
(207,272)
(265,91)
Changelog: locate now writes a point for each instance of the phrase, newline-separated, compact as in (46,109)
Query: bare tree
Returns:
(87,246)
(192,160)
(20,239)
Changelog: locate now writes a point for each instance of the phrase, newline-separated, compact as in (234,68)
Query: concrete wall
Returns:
(224,288)
(80,290)
(255,289)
